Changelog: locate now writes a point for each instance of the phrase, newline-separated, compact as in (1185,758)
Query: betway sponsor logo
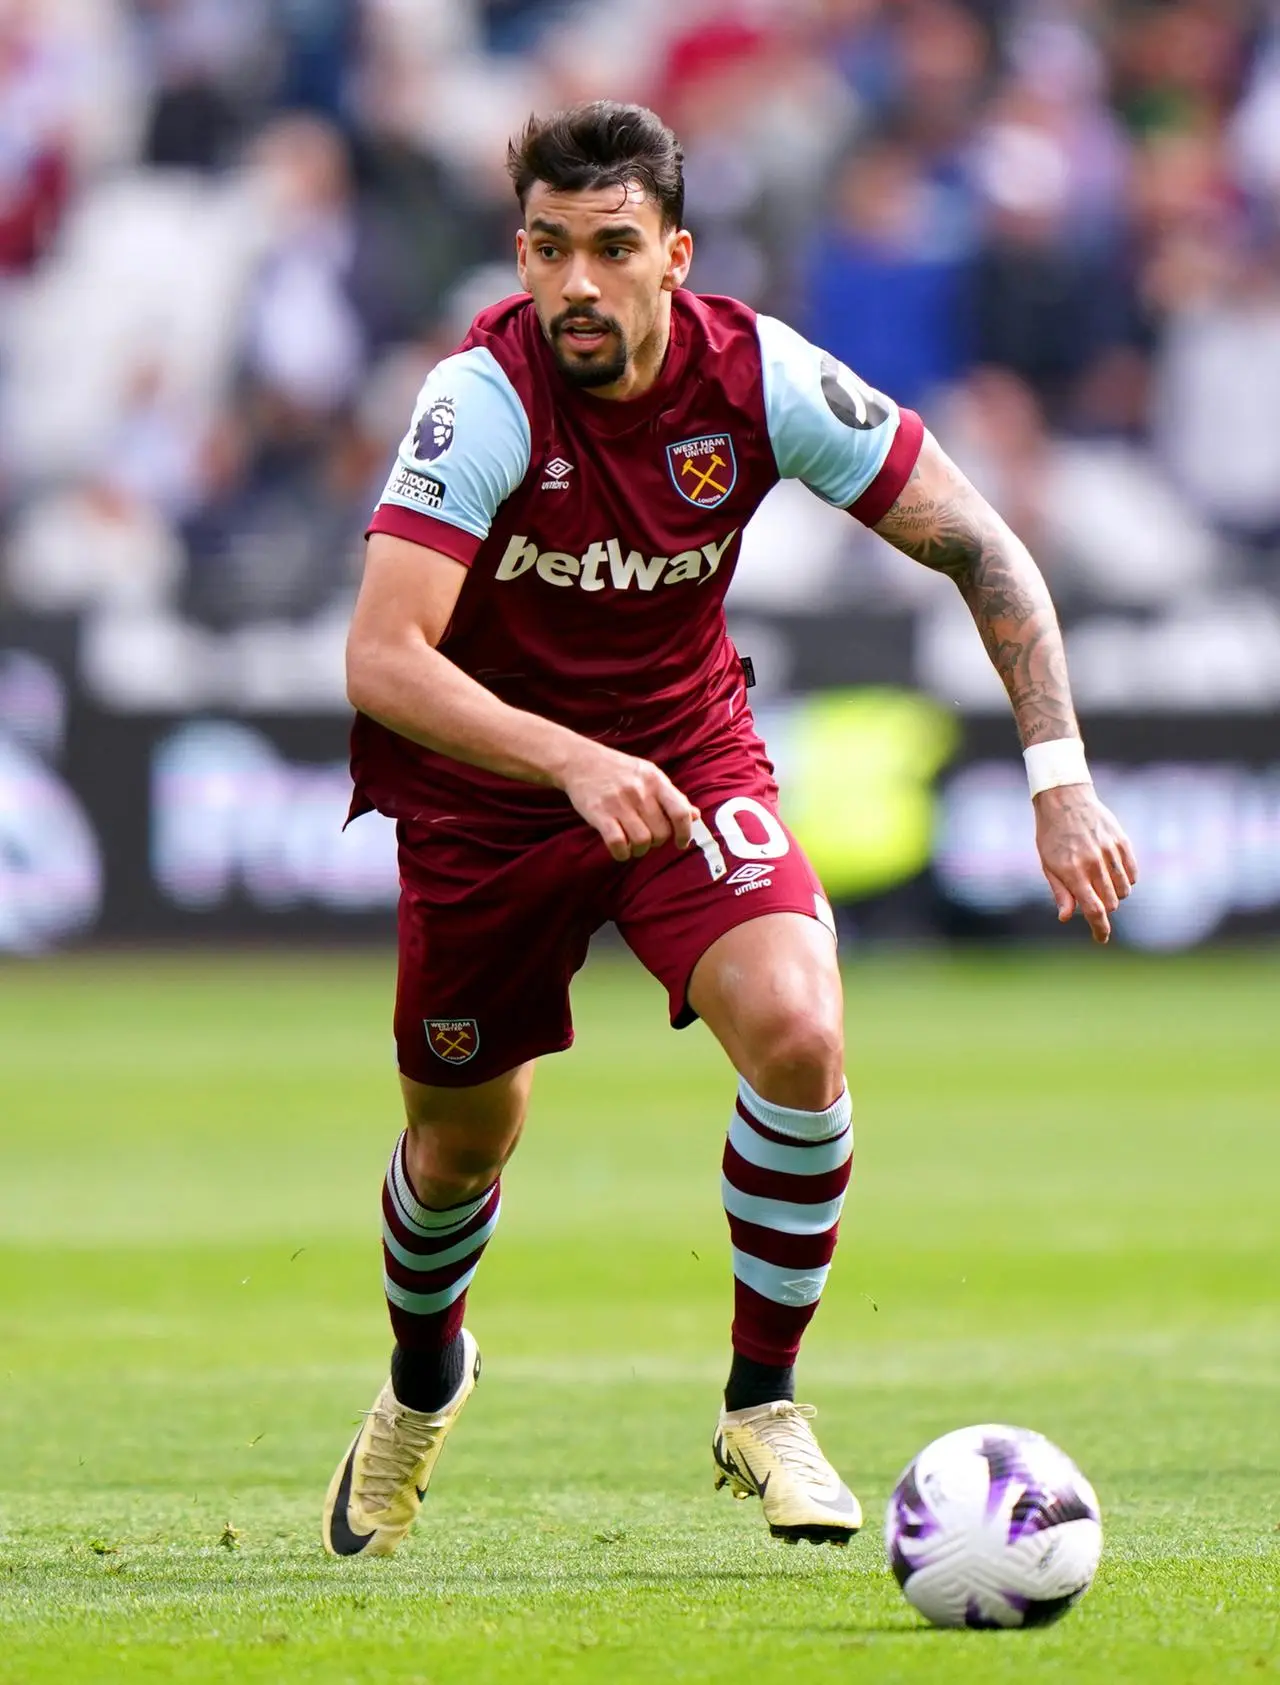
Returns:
(606,563)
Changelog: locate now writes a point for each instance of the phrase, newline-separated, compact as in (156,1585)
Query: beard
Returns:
(588,368)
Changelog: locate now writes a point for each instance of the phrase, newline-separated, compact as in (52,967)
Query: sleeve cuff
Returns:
(451,541)
(885,490)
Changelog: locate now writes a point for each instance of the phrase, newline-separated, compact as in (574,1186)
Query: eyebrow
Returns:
(603,236)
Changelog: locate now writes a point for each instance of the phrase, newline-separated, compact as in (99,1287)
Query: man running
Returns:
(549,706)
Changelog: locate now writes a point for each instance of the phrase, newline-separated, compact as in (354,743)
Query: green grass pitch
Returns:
(1066,1214)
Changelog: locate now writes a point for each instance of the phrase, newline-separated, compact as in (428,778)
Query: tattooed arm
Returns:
(942,522)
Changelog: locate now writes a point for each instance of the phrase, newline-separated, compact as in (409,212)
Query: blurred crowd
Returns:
(235,234)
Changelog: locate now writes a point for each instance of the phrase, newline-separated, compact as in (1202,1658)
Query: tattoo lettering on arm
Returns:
(942,522)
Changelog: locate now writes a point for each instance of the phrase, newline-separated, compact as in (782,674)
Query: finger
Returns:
(1093,912)
(639,836)
(1063,898)
(1100,882)
(1119,873)
(1129,857)
(654,816)
(615,838)
(680,811)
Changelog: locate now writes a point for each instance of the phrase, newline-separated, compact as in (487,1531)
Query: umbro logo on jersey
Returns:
(557,471)
(607,563)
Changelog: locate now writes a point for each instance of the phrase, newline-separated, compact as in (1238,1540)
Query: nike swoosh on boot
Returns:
(345,1541)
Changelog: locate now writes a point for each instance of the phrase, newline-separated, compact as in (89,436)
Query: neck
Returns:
(646,365)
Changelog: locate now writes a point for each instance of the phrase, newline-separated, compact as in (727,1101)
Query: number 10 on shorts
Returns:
(772,846)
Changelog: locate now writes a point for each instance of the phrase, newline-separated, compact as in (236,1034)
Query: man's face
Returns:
(598,263)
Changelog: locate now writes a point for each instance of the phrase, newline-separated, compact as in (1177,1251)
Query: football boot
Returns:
(378,1487)
(769,1452)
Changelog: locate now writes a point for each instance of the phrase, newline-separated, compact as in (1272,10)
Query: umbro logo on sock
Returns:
(557,471)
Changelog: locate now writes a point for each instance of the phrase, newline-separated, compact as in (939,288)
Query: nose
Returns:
(579,285)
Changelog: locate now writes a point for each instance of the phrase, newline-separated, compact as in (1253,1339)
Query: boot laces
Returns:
(786,1431)
(398,1440)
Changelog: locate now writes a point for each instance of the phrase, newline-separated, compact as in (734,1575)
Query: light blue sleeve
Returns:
(827,427)
(467,448)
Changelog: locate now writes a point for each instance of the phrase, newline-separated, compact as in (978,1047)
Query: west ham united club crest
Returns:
(455,1040)
(704,470)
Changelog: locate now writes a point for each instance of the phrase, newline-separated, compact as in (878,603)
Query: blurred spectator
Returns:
(279,532)
(193,125)
(517,26)
(761,121)
(318,42)
(209,62)
(1179,63)
(1103,522)
(882,283)
(1045,304)
(431,226)
(91,544)
(1216,409)
(923,64)
(326,290)
(35,163)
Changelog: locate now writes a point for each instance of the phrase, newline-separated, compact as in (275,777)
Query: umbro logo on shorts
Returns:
(557,471)
(455,1040)
(748,874)
(747,878)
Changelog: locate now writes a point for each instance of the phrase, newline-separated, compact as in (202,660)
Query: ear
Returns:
(679,257)
(522,258)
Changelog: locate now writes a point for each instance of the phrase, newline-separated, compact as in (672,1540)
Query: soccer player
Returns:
(549,706)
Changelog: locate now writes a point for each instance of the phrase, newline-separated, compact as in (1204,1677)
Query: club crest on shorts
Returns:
(455,1040)
(704,470)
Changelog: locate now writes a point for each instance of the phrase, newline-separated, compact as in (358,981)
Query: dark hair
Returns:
(601,144)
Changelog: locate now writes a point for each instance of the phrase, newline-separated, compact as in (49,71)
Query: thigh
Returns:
(746,866)
(489,940)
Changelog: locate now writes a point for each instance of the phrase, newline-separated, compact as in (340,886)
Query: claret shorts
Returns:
(496,917)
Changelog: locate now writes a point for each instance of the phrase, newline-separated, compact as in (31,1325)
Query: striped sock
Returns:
(785,1175)
(429,1257)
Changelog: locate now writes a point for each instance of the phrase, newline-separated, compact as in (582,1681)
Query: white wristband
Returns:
(1059,762)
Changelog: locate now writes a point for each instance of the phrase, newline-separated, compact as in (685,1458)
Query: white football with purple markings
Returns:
(993,1526)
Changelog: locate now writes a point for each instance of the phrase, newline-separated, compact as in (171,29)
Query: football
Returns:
(993,1526)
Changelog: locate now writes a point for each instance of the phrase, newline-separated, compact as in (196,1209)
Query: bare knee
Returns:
(445,1172)
(797,1059)
(457,1141)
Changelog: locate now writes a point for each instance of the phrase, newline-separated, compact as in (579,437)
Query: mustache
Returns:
(581,319)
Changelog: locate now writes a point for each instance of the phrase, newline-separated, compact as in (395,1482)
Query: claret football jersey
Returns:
(600,536)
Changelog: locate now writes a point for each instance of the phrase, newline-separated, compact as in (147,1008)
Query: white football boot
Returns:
(769,1452)
(378,1487)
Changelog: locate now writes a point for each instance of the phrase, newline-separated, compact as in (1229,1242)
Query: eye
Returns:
(617,253)
(546,252)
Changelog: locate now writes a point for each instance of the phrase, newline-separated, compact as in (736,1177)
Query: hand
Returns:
(632,803)
(1086,856)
